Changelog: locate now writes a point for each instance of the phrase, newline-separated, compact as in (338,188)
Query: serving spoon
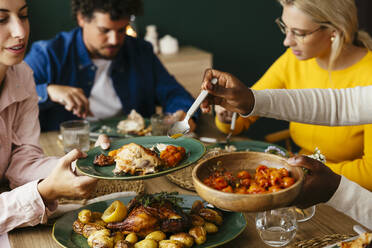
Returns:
(181,128)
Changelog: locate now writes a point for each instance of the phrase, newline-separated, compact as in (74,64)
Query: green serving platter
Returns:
(110,125)
(233,225)
(194,151)
(248,145)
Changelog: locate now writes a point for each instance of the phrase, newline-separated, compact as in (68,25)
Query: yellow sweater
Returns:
(348,150)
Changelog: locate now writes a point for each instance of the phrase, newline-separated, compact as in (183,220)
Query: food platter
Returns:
(109,127)
(233,225)
(247,145)
(194,151)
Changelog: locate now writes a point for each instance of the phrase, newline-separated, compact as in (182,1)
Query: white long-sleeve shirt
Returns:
(331,107)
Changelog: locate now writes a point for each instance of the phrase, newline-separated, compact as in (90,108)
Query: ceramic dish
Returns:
(233,225)
(194,151)
(238,161)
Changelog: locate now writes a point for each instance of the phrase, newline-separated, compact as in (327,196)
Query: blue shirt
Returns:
(139,78)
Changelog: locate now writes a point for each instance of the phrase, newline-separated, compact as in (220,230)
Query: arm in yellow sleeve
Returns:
(241,124)
(358,170)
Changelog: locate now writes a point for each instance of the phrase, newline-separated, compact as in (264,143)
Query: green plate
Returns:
(111,123)
(63,234)
(248,145)
(194,151)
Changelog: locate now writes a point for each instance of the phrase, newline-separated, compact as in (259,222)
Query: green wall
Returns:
(241,34)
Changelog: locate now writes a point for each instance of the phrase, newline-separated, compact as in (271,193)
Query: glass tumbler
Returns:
(160,123)
(305,214)
(75,134)
(277,227)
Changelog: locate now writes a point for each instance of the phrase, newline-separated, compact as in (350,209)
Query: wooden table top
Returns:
(325,221)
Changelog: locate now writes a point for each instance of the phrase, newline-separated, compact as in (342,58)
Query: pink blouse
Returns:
(22,162)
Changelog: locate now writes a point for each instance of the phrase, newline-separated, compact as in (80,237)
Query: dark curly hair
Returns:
(117,9)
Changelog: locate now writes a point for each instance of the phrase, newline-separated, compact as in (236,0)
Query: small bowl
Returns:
(235,162)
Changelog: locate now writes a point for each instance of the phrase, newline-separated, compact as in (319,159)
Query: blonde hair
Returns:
(340,15)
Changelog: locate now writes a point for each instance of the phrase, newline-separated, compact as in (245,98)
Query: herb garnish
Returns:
(161,198)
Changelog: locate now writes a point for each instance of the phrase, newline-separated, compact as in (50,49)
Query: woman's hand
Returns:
(72,98)
(229,93)
(63,182)
(179,115)
(320,182)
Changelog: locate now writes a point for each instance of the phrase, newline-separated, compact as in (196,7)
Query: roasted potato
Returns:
(186,239)
(196,220)
(96,216)
(146,243)
(131,238)
(156,235)
(196,206)
(78,227)
(123,244)
(199,234)
(101,239)
(85,216)
(210,227)
(91,228)
(211,216)
(118,236)
(170,244)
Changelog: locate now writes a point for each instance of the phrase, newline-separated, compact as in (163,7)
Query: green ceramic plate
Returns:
(248,145)
(108,127)
(194,151)
(233,225)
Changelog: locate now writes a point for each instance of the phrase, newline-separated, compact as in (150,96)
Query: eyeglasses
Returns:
(298,35)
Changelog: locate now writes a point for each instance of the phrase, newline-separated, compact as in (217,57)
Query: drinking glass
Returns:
(305,214)
(277,227)
(160,123)
(75,134)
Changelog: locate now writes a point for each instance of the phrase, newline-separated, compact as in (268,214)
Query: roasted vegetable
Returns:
(196,206)
(101,239)
(196,220)
(199,234)
(210,227)
(157,236)
(170,244)
(186,239)
(131,238)
(78,227)
(146,243)
(118,236)
(85,216)
(123,244)
(211,215)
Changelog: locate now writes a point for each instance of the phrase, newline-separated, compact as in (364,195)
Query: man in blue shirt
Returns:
(96,70)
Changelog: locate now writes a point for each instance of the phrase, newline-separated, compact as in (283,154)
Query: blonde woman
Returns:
(36,181)
(325,50)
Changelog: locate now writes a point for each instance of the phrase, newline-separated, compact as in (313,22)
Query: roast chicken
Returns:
(146,216)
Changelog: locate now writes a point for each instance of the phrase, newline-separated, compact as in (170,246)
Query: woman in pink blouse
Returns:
(36,181)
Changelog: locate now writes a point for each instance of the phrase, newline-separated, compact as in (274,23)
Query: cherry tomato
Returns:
(243,174)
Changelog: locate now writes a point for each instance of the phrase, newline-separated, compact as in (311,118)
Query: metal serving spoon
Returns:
(180,128)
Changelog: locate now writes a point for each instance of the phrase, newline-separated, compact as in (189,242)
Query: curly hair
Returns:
(117,9)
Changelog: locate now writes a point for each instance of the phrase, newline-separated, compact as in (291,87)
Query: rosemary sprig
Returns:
(160,198)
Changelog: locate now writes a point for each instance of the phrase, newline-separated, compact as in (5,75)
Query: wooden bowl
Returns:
(249,161)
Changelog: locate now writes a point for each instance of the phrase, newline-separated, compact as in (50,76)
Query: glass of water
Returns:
(277,227)
(160,124)
(75,134)
(305,214)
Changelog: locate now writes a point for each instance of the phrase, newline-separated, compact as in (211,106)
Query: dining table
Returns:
(326,221)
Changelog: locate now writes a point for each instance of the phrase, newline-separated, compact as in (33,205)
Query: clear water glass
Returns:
(75,134)
(160,124)
(305,214)
(277,227)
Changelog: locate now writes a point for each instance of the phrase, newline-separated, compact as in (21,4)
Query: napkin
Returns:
(64,208)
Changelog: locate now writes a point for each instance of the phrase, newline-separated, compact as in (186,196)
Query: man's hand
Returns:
(72,98)
(320,182)
(229,93)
